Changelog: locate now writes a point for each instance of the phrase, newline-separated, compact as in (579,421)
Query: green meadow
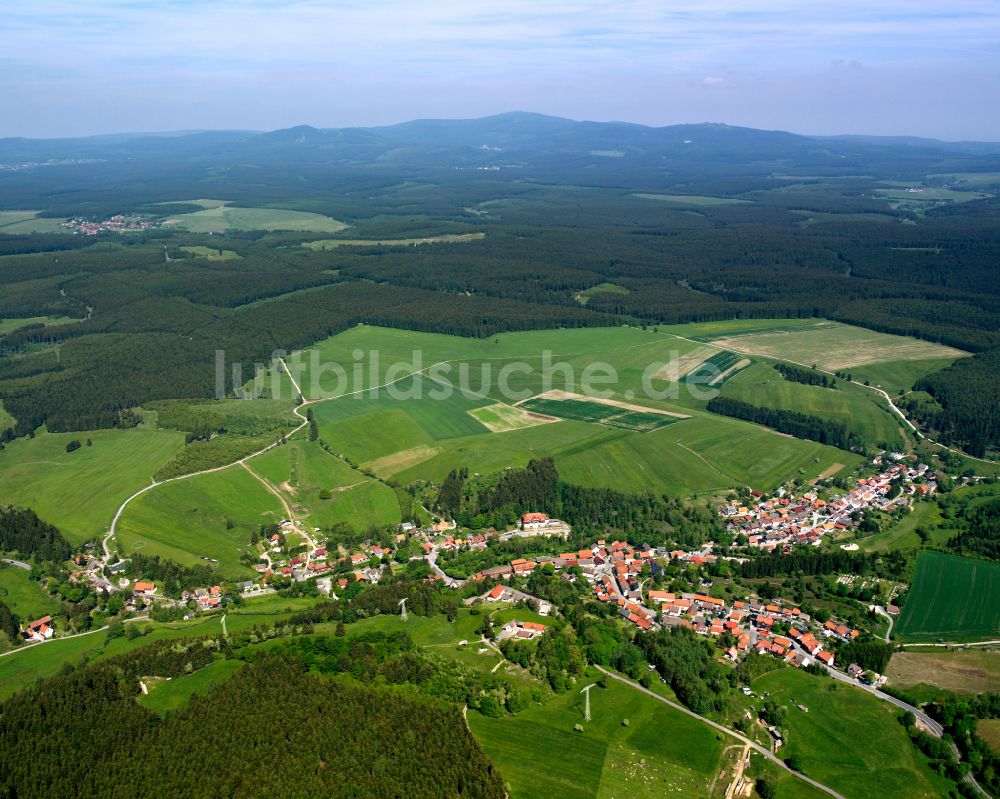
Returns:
(301,470)
(20,223)
(951,598)
(80,491)
(167,695)
(39,661)
(849,739)
(210,516)
(24,596)
(407,434)
(860,410)
(223,217)
(660,753)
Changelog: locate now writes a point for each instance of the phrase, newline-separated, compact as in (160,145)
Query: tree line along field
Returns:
(951,598)
(862,411)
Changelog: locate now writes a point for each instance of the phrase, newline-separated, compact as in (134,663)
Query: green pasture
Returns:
(849,739)
(25,597)
(902,535)
(952,598)
(19,223)
(860,410)
(221,218)
(595,412)
(46,660)
(302,469)
(661,752)
(897,376)
(167,695)
(211,253)
(80,491)
(187,520)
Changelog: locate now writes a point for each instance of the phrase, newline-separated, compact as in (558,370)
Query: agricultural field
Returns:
(80,491)
(332,244)
(828,345)
(860,410)
(223,217)
(24,596)
(951,598)
(406,434)
(167,695)
(921,198)
(966,671)
(660,753)
(989,731)
(304,474)
(849,740)
(19,223)
(896,376)
(598,412)
(204,520)
(6,325)
(501,418)
(210,253)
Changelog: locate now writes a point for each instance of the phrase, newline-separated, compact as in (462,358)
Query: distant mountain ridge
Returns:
(519,145)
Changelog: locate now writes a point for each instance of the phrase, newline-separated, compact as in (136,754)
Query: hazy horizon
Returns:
(255,131)
(106,66)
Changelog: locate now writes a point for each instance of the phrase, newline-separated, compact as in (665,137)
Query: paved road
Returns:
(743,739)
(881,611)
(18,563)
(935,729)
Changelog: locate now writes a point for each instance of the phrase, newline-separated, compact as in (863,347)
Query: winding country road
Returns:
(297,410)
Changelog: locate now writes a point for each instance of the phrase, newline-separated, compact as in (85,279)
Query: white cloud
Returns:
(713,81)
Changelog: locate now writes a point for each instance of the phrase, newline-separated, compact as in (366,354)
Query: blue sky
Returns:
(890,67)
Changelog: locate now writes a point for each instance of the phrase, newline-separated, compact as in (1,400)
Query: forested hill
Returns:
(519,145)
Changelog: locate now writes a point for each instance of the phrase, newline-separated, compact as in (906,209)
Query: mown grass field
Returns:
(302,469)
(167,695)
(953,598)
(187,520)
(860,410)
(829,345)
(24,596)
(903,535)
(989,731)
(971,671)
(6,325)
(80,491)
(849,740)
(661,753)
(221,218)
(24,222)
(896,376)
